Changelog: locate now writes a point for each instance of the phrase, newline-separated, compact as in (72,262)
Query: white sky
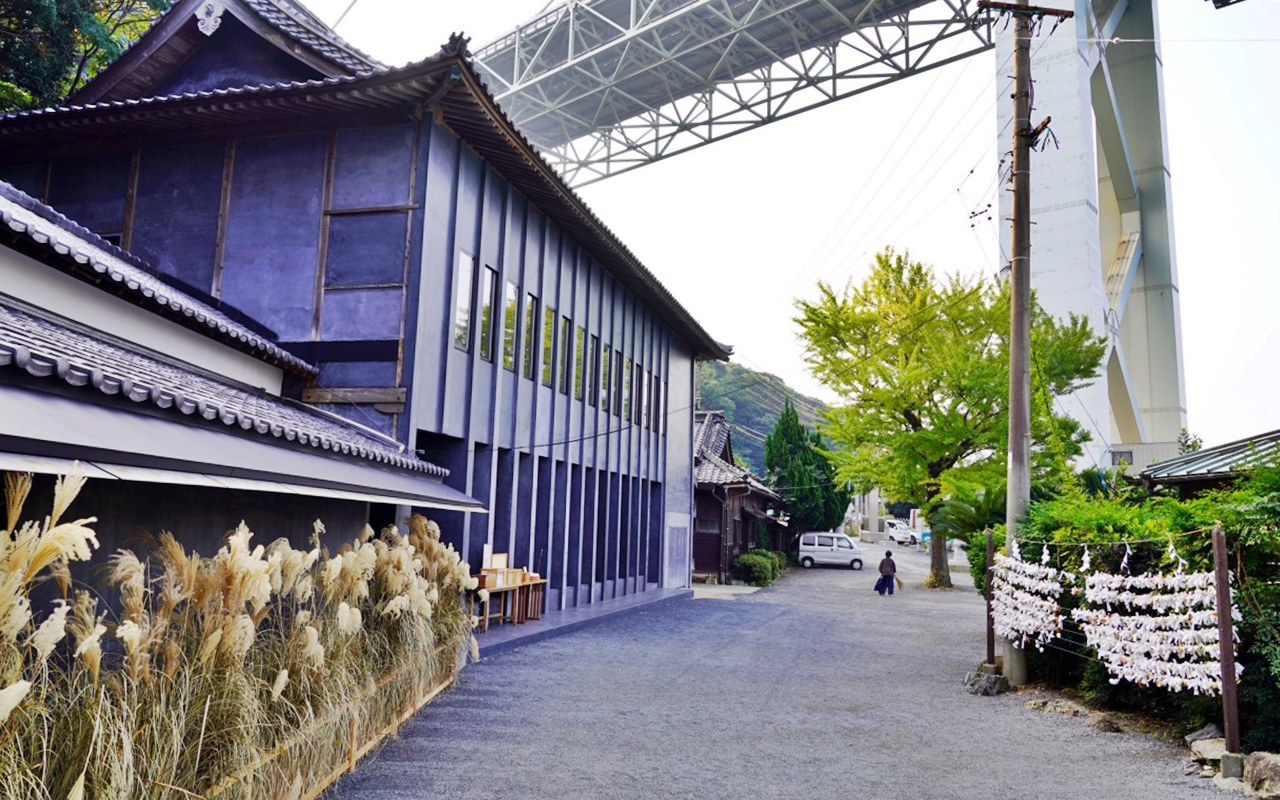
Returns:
(738,229)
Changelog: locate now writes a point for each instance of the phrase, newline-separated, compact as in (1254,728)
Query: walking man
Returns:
(888,572)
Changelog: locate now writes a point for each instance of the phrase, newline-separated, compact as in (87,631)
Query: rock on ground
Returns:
(1262,774)
(1210,731)
(1209,749)
(1102,722)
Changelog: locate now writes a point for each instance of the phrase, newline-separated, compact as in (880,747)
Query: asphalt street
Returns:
(814,688)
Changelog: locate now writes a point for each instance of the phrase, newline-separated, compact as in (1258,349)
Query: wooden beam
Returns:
(356,395)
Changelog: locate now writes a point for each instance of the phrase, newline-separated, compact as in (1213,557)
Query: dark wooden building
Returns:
(733,506)
(391,228)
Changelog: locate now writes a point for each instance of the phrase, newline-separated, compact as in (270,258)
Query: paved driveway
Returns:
(815,688)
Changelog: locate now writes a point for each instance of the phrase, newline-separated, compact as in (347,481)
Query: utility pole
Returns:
(1018,493)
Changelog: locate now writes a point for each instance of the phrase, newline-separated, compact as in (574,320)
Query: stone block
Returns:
(980,683)
(1207,750)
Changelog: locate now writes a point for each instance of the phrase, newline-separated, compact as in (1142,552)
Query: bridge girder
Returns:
(606,86)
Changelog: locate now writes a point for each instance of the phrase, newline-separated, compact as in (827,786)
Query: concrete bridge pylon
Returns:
(1102,222)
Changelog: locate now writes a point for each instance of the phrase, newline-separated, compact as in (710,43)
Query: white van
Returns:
(827,547)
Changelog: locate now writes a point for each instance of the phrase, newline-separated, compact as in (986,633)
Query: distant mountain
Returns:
(751,402)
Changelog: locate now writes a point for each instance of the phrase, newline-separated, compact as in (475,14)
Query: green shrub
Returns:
(778,559)
(977,555)
(756,570)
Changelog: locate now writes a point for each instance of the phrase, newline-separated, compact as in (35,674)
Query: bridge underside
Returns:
(606,86)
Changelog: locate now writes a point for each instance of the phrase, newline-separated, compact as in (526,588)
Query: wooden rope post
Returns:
(991,626)
(1227,655)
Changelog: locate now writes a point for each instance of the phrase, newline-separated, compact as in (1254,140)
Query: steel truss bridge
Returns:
(605,86)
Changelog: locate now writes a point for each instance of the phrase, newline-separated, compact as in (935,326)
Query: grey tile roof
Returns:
(85,253)
(299,23)
(712,453)
(1212,463)
(57,351)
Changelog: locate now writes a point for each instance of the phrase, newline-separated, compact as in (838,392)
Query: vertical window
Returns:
(604,379)
(615,383)
(593,375)
(566,333)
(510,317)
(655,405)
(642,415)
(530,335)
(626,391)
(548,343)
(580,358)
(464,278)
(487,301)
(660,409)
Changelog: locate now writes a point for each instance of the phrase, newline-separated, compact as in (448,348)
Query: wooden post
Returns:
(991,624)
(1226,641)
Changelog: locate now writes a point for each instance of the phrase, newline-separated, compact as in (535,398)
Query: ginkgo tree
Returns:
(921,366)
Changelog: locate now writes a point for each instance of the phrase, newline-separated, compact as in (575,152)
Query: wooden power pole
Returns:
(1018,492)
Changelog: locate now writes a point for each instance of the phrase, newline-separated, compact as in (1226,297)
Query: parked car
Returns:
(899,532)
(828,547)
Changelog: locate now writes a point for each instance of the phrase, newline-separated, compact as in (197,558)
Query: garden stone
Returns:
(1210,731)
(1262,773)
(1065,707)
(1102,722)
(980,683)
(1209,749)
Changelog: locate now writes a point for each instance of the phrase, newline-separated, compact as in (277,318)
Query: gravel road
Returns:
(814,688)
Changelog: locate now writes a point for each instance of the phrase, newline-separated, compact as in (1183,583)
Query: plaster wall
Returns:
(30,281)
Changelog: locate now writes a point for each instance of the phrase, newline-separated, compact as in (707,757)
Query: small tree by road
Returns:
(921,367)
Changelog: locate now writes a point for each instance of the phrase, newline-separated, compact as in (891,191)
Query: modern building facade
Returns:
(391,228)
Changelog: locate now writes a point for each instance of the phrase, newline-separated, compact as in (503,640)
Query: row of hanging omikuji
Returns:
(1153,630)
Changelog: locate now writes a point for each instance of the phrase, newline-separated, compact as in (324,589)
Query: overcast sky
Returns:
(737,230)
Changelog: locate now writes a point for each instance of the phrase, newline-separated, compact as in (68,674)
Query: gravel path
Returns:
(815,688)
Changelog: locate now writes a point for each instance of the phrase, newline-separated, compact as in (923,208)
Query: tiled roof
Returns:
(85,253)
(161,100)
(711,447)
(1215,463)
(299,23)
(57,351)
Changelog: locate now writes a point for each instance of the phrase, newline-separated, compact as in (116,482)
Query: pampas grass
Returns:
(250,673)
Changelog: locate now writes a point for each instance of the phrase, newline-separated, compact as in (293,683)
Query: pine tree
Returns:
(797,468)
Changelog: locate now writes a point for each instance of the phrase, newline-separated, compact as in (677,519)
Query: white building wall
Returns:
(25,279)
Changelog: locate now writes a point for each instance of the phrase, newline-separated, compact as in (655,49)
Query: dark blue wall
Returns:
(348,244)
(92,190)
(234,57)
(175,219)
(272,245)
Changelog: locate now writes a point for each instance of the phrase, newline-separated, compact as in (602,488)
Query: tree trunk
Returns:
(939,569)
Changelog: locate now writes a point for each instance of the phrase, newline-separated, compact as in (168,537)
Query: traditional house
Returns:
(171,406)
(733,506)
(390,228)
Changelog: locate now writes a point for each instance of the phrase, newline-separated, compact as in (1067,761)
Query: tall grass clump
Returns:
(255,672)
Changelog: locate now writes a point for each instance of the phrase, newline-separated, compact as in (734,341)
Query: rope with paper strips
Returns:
(1152,630)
